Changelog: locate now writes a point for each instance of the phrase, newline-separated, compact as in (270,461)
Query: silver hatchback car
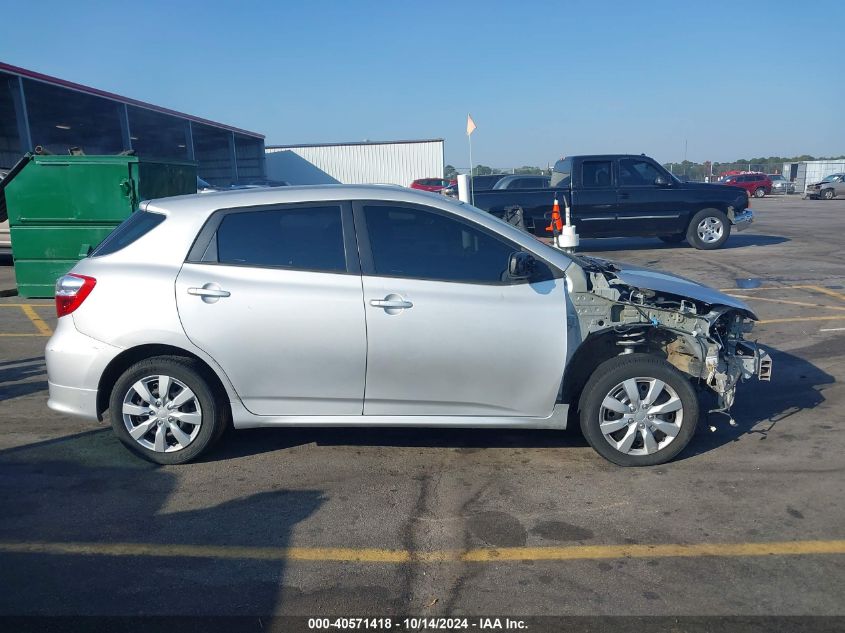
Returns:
(379,306)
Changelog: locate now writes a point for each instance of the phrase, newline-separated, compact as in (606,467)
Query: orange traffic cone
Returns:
(556,224)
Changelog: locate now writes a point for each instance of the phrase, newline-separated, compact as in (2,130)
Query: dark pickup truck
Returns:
(622,195)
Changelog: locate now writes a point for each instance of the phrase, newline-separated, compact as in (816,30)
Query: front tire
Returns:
(165,410)
(708,229)
(828,194)
(664,416)
(759,192)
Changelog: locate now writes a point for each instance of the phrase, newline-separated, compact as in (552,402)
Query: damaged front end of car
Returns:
(701,332)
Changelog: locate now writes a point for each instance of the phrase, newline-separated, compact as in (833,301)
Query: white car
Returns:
(348,305)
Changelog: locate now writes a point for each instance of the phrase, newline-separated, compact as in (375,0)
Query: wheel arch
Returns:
(129,357)
(703,206)
(599,347)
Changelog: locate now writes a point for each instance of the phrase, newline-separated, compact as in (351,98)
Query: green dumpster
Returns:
(60,207)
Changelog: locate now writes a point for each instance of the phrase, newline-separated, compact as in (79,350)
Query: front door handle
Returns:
(384,303)
(210,293)
(392,304)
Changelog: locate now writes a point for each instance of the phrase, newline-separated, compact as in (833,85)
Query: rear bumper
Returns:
(73,400)
(75,363)
(743,219)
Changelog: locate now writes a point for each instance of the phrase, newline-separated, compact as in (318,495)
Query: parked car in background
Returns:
(5,235)
(275,307)
(432,184)
(781,184)
(205,187)
(522,182)
(828,188)
(479,183)
(622,195)
(756,184)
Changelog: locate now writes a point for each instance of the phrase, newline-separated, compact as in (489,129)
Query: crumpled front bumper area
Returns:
(743,219)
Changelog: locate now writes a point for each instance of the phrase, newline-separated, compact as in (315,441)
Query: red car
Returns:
(432,184)
(756,184)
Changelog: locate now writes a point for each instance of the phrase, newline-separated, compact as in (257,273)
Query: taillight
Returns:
(71,291)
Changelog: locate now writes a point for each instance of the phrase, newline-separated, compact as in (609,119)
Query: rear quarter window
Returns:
(134,227)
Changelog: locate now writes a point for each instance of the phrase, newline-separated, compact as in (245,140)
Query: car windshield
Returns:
(830,178)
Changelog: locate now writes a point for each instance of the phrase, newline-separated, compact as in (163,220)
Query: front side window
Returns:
(596,173)
(303,238)
(633,172)
(425,244)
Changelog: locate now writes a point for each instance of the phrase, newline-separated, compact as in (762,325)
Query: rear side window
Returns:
(135,226)
(596,173)
(303,238)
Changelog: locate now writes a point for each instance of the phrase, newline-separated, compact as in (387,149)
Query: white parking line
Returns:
(832,329)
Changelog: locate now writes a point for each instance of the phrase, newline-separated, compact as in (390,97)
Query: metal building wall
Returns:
(814,170)
(397,163)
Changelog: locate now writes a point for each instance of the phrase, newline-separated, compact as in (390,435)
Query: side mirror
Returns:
(521,265)
(661,181)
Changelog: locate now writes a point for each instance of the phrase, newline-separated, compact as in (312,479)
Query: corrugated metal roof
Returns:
(31,74)
(402,142)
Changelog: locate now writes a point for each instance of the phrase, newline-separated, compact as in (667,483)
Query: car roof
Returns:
(206,203)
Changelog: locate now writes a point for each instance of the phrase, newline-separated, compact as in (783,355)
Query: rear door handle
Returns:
(624,196)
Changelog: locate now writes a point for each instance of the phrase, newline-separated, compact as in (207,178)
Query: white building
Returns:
(382,162)
(809,171)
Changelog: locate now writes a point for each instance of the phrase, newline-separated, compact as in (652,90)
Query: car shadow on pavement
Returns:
(16,377)
(607,245)
(764,408)
(86,491)
(238,444)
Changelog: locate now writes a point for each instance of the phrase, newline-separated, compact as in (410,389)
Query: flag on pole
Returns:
(470,125)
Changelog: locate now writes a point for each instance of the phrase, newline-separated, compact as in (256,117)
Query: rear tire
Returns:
(828,194)
(657,430)
(673,239)
(165,409)
(708,229)
(759,192)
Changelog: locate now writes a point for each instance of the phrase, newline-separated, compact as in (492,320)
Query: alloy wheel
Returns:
(710,229)
(641,416)
(161,413)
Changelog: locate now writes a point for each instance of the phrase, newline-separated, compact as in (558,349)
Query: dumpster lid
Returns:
(4,211)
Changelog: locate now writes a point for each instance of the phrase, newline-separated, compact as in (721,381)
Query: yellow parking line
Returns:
(828,291)
(795,319)
(37,321)
(11,335)
(766,288)
(371,555)
(792,303)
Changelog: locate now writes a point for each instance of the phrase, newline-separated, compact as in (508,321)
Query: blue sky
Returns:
(541,79)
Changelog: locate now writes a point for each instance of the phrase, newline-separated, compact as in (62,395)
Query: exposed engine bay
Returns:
(695,328)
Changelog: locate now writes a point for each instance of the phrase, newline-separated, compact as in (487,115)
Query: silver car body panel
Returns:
(650,279)
(468,349)
(292,342)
